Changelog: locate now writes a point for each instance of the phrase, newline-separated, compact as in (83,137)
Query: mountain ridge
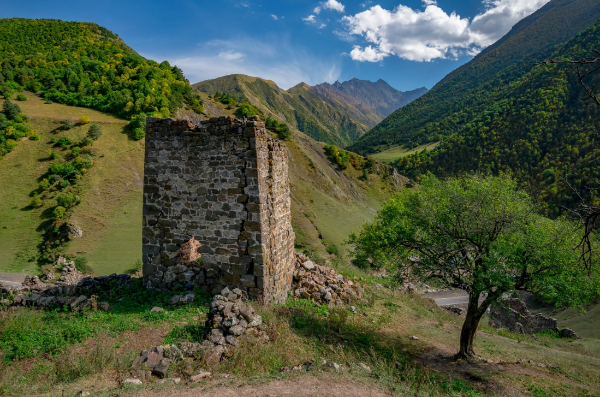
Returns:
(323,112)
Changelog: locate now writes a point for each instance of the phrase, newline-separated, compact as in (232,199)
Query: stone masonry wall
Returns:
(225,184)
(512,314)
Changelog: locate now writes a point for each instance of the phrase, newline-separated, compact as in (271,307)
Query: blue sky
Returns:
(408,43)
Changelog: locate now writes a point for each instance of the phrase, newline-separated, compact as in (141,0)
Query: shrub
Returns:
(66,125)
(64,183)
(95,132)
(84,120)
(53,155)
(81,264)
(64,141)
(53,140)
(18,119)
(11,110)
(68,200)
(75,151)
(44,184)
(34,137)
(21,97)
(36,201)
(138,134)
(332,249)
(58,212)
(48,102)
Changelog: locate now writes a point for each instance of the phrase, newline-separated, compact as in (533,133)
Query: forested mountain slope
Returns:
(537,128)
(336,114)
(471,89)
(83,64)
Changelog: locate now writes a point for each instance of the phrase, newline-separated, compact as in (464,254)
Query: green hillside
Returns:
(84,64)
(473,88)
(537,128)
(299,107)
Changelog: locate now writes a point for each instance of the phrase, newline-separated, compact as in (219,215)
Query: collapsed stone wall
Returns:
(223,183)
(512,314)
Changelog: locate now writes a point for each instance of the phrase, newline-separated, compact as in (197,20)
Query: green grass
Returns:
(111,192)
(390,155)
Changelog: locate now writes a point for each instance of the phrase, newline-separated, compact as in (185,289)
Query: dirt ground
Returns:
(304,386)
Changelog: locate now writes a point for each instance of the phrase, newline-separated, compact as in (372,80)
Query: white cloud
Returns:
(322,26)
(365,4)
(345,36)
(274,17)
(317,10)
(310,18)
(279,60)
(334,5)
(425,35)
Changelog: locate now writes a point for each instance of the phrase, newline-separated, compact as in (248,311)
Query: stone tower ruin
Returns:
(223,184)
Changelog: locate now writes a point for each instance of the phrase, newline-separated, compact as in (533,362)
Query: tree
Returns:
(482,235)
(84,120)
(95,132)
(11,110)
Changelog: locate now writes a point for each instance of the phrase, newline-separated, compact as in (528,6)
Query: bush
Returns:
(84,120)
(64,141)
(34,137)
(58,212)
(21,97)
(44,184)
(138,134)
(332,249)
(81,265)
(66,125)
(75,151)
(95,132)
(68,200)
(64,183)
(138,126)
(11,110)
(53,140)
(36,201)
(53,155)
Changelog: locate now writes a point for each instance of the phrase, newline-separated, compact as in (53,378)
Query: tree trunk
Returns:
(469,329)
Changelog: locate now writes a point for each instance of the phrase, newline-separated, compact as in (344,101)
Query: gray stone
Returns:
(173,300)
(162,368)
(309,265)
(334,366)
(157,309)
(237,330)
(200,375)
(175,381)
(135,382)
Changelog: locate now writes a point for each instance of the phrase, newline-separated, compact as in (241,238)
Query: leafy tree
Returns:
(95,132)
(36,201)
(21,97)
(64,141)
(11,110)
(67,200)
(58,213)
(84,120)
(34,137)
(482,235)
(138,126)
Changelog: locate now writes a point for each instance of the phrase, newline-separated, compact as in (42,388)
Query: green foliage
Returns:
(84,120)
(138,126)
(34,137)
(66,125)
(83,64)
(58,213)
(479,234)
(81,264)
(13,127)
(36,201)
(21,97)
(247,110)
(473,89)
(64,141)
(340,157)
(94,132)
(68,200)
(75,151)
(536,128)
(281,129)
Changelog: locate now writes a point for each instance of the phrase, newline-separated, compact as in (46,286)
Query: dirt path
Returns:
(12,279)
(306,386)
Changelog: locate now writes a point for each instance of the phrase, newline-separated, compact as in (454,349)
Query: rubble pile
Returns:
(322,284)
(70,275)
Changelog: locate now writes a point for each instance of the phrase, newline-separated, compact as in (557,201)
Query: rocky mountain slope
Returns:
(470,90)
(379,97)
(336,114)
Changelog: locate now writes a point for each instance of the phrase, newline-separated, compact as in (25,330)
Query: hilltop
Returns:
(336,114)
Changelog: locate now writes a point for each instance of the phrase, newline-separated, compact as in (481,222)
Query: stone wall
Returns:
(225,184)
(512,314)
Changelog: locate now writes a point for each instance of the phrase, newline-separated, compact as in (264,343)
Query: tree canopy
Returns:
(482,235)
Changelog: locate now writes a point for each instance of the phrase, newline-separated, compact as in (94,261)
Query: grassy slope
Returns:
(397,152)
(326,201)
(114,184)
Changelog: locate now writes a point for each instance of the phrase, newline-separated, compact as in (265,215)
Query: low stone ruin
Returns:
(512,314)
(322,284)
(70,275)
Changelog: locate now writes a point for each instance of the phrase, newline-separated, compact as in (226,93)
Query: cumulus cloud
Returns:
(365,4)
(280,61)
(317,10)
(274,17)
(432,33)
(310,19)
(334,5)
